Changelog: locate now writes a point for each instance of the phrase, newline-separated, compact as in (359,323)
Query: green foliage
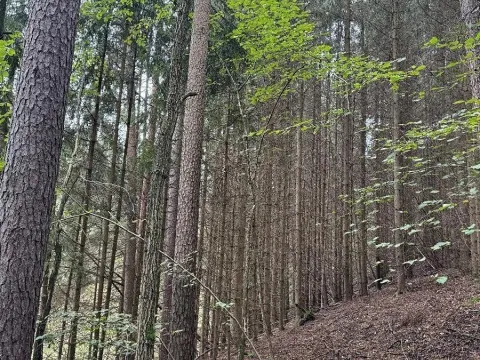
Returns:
(441,279)
(118,327)
(223,306)
(281,50)
(475,300)
(470,230)
(273,32)
(118,11)
(440,245)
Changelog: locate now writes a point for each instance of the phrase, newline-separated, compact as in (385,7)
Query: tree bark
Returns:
(170,238)
(363,241)
(471,16)
(347,170)
(184,292)
(4,123)
(149,289)
(397,185)
(299,241)
(28,182)
(470,10)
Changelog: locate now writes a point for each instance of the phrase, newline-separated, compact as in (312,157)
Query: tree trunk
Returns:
(131,188)
(397,186)
(299,241)
(87,197)
(51,279)
(363,241)
(219,283)
(471,16)
(170,237)
(184,292)
(4,123)
(28,182)
(347,231)
(149,288)
(112,179)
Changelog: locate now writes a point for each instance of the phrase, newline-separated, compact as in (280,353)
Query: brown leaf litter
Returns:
(429,322)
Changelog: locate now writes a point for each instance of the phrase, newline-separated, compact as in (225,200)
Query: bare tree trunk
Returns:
(471,16)
(144,194)
(131,162)
(347,170)
(4,122)
(267,247)
(87,196)
(299,241)
(397,186)
(170,237)
(27,185)
(239,268)
(363,245)
(51,278)
(184,292)
(149,289)
(112,178)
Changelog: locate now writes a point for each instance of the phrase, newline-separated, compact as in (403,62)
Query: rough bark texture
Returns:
(4,124)
(170,236)
(28,182)
(184,288)
(471,16)
(149,288)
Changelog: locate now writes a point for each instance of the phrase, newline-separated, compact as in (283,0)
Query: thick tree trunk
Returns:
(184,316)
(4,123)
(50,279)
(28,181)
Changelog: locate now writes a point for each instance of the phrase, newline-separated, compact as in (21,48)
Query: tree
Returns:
(471,16)
(151,269)
(347,169)
(184,318)
(28,181)
(398,161)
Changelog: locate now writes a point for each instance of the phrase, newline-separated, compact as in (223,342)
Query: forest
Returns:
(210,179)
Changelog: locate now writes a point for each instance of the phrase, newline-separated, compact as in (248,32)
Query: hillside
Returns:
(430,321)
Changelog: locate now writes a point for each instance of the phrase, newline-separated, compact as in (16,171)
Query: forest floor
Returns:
(430,321)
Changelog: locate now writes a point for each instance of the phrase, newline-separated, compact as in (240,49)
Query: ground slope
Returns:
(430,321)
